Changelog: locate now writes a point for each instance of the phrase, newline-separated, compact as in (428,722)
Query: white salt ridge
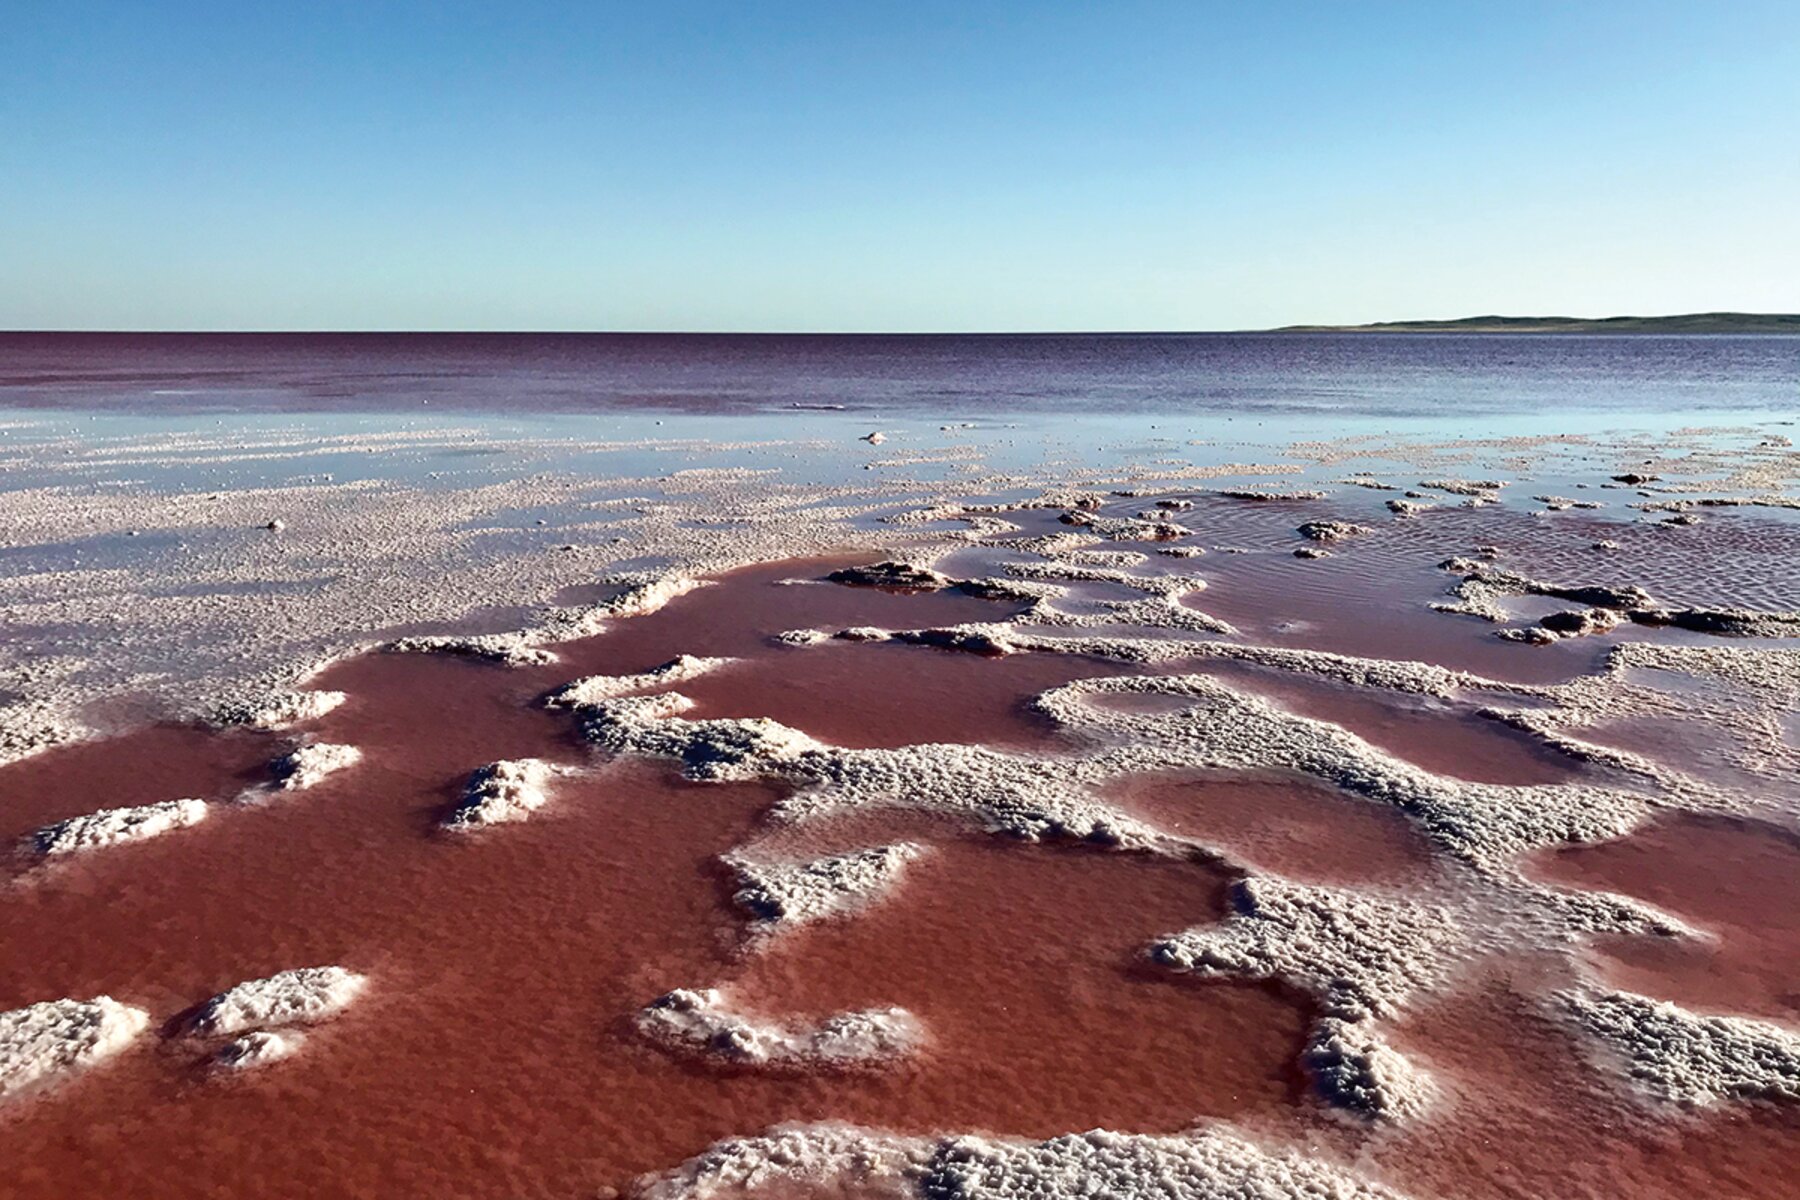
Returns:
(309,765)
(276,709)
(703,1022)
(511,649)
(1687,1058)
(607,687)
(1215,1163)
(798,893)
(59,1036)
(304,994)
(503,792)
(258,1048)
(1361,954)
(1027,797)
(117,826)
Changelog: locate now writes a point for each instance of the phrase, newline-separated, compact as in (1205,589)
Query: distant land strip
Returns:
(1711,322)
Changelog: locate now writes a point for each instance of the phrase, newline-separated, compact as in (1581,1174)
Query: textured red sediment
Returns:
(879,695)
(495,1053)
(1529,1116)
(1739,880)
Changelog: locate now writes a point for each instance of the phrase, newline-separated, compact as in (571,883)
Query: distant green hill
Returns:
(1713,322)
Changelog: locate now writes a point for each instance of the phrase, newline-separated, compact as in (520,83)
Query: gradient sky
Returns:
(874,166)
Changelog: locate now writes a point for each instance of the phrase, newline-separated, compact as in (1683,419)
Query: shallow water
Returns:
(496,1054)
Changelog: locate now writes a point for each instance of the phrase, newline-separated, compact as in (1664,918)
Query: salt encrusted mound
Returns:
(646,592)
(1261,494)
(892,574)
(595,688)
(1478,488)
(276,710)
(719,749)
(56,1036)
(865,1163)
(1362,953)
(1209,1165)
(1357,1072)
(258,1048)
(1686,1058)
(1329,531)
(1407,508)
(795,893)
(115,826)
(1145,527)
(511,649)
(307,765)
(510,790)
(702,1022)
(303,994)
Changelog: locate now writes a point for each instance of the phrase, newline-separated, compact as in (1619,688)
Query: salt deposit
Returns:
(1217,1161)
(258,1048)
(308,765)
(607,687)
(304,994)
(502,792)
(277,710)
(796,893)
(1685,1057)
(54,1037)
(116,826)
(704,1022)
(1329,531)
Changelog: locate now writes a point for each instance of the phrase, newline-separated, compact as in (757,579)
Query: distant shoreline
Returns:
(1713,322)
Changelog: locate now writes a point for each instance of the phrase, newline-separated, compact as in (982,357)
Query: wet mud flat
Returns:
(1069,796)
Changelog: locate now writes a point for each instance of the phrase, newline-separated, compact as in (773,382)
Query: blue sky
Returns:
(915,166)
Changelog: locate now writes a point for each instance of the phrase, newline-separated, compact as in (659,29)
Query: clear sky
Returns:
(907,166)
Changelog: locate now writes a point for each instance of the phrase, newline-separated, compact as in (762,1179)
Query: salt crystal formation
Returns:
(1684,1057)
(58,1036)
(502,792)
(1329,531)
(796,893)
(276,710)
(703,1022)
(116,826)
(258,1048)
(1211,1164)
(608,687)
(308,765)
(290,997)
(1361,954)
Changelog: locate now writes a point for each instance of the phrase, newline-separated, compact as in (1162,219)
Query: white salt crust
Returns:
(1215,1163)
(56,1037)
(503,792)
(309,765)
(1683,1057)
(277,710)
(1361,954)
(703,1022)
(304,994)
(258,1048)
(117,826)
(608,687)
(786,893)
